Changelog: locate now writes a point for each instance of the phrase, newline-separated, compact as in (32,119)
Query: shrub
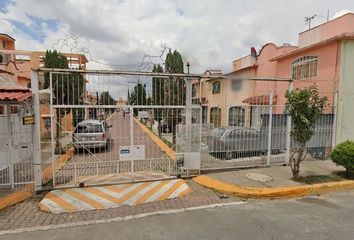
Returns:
(343,154)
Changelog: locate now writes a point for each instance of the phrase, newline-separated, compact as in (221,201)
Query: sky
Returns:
(210,34)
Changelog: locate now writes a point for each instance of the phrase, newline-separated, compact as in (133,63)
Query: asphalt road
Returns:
(104,162)
(330,216)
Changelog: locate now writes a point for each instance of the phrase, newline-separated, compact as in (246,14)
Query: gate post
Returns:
(188,114)
(10,146)
(334,128)
(36,133)
(132,142)
(270,123)
(288,129)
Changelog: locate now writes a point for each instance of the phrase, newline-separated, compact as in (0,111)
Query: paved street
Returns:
(105,164)
(328,216)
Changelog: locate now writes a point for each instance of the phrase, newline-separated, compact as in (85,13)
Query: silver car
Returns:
(90,134)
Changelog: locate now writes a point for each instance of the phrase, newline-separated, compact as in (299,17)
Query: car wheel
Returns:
(229,155)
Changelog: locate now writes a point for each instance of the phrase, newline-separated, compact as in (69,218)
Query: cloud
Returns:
(208,33)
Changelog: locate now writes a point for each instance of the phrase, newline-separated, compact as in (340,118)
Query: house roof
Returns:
(8,37)
(18,95)
(315,45)
(260,100)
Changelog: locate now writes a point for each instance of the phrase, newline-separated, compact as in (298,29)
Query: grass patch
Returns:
(313,179)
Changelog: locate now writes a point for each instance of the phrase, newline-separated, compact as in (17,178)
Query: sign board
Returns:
(143,114)
(135,152)
(191,160)
(27,120)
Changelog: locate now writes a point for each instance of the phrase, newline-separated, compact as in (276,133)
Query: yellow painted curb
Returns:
(163,146)
(13,198)
(47,173)
(280,192)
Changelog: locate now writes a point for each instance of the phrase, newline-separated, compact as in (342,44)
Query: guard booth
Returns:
(16,134)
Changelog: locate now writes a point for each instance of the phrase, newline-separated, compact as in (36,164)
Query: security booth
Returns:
(16,134)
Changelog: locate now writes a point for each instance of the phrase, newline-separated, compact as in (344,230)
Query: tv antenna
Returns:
(309,19)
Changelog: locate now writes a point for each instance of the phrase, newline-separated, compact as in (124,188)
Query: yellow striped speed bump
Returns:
(103,197)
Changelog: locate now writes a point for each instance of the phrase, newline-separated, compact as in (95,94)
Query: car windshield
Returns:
(89,128)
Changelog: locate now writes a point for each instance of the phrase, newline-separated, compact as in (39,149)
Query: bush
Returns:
(343,154)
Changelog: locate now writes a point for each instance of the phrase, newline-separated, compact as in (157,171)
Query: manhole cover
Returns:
(259,177)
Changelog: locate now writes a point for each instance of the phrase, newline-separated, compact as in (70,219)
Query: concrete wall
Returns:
(345,122)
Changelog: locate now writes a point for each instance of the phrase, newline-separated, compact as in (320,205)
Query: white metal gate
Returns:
(114,127)
(16,150)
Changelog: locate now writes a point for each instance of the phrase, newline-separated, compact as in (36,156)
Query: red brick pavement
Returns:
(27,213)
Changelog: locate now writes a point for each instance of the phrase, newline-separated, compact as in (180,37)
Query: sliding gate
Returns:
(113,127)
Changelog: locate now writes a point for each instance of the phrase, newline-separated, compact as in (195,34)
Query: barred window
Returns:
(304,67)
(237,116)
(216,87)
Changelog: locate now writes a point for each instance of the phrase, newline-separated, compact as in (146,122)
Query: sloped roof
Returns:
(10,90)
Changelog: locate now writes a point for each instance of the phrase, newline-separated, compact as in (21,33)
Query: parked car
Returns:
(90,134)
(228,143)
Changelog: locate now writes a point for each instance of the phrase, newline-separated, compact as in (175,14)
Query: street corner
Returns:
(272,192)
(104,197)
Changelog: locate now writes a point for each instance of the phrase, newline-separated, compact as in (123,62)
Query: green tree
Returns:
(174,90)
(106,99)
(138,96)
(158,94)
(68,89)
(305,106)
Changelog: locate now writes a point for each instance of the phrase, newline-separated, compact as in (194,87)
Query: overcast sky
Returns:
(208,33)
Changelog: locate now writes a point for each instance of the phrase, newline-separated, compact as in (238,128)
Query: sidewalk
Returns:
(281,175)
(275,182)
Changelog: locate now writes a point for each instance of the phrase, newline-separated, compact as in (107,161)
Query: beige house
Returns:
(17,65)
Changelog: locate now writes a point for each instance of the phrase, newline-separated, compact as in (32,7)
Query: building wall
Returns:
(327,71)
(335,27)
(345,126)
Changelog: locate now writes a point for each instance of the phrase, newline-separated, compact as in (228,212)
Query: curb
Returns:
(163,146)
(280,192)
(47,173)
(21,195)
(13,198)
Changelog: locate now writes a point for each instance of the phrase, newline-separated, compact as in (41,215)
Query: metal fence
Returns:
(97,118)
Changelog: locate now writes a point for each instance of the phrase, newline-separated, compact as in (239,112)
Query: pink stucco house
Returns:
(324,56)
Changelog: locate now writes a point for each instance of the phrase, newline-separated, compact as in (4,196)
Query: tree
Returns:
(68,89)
(106,99)
(158,94)
(138,96)
(174,90)
(305,107)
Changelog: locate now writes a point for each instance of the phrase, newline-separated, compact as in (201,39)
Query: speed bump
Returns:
(91,198)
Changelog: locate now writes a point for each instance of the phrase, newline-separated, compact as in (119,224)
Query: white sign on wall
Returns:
(135,152)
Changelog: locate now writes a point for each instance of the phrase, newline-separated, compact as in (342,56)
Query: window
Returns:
(237,116)
(215,116)
(236,84)
(194,90)
(14,109)
(2,110)
(304,67)
(216,87)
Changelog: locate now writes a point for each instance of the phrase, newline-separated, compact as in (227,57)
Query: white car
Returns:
(90,134)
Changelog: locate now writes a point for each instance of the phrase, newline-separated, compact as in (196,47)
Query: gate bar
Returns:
(36,133)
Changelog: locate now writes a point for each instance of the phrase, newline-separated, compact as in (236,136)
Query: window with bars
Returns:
(304,67)
(216,87)
(237,116)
